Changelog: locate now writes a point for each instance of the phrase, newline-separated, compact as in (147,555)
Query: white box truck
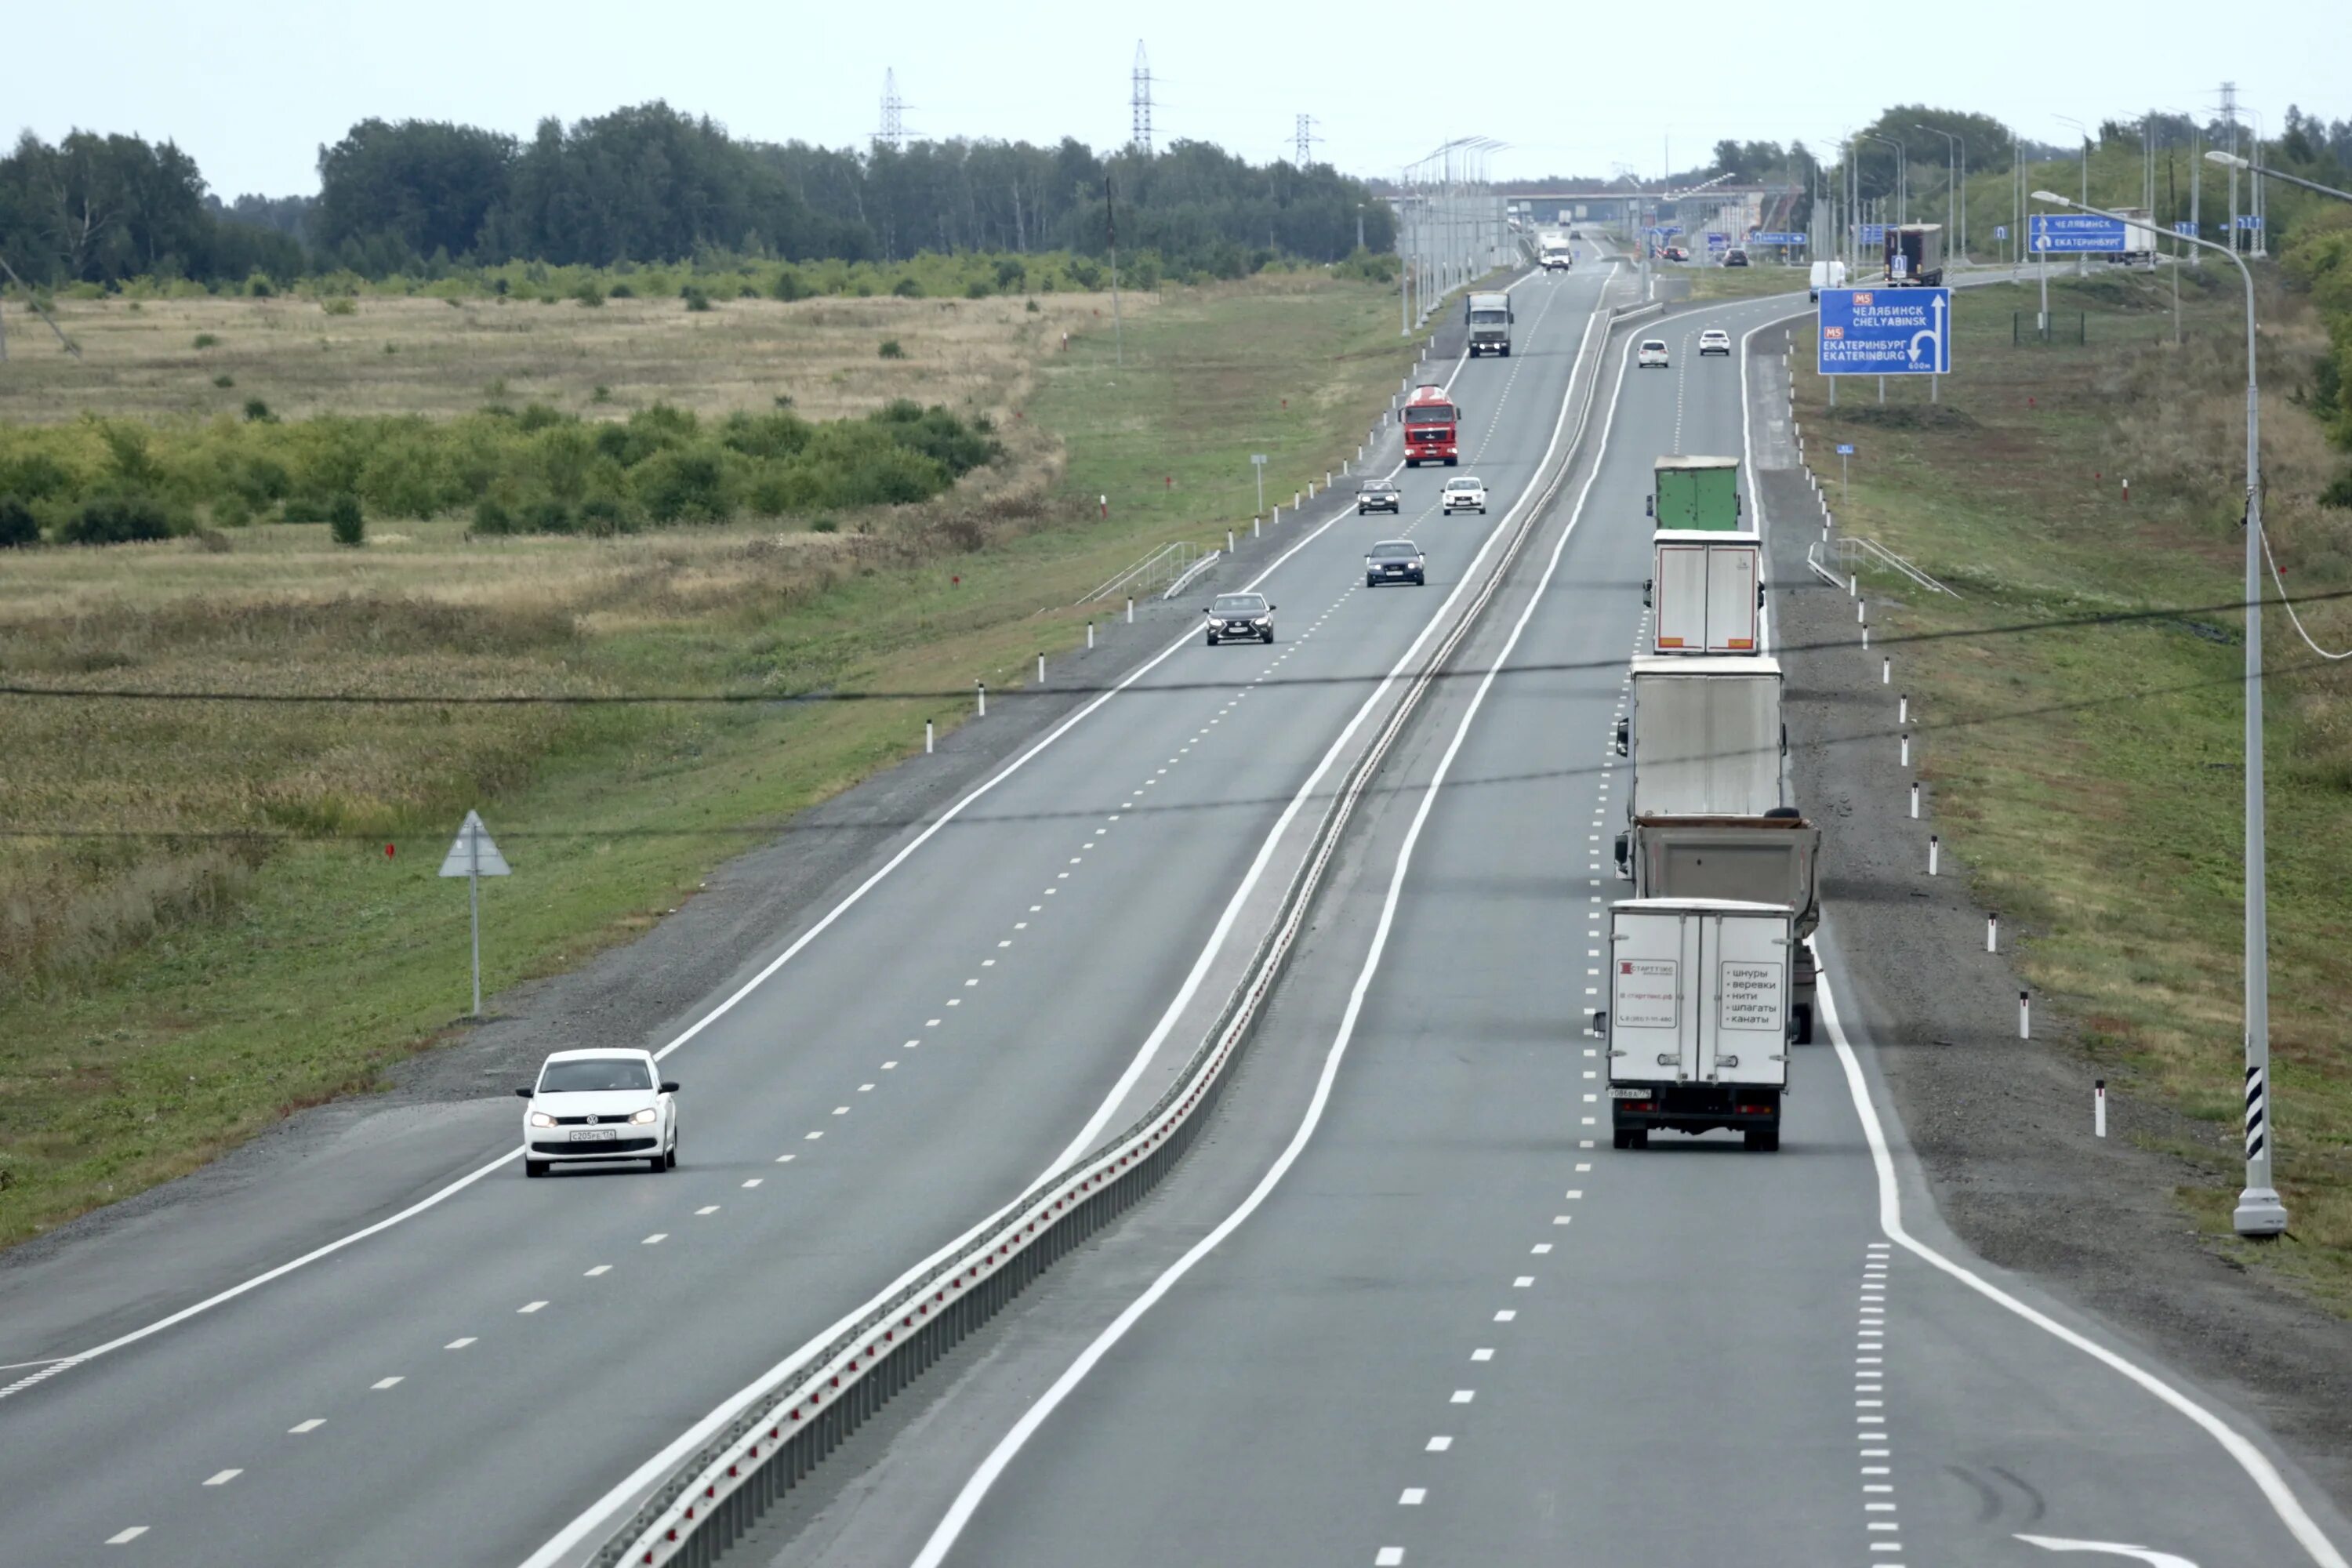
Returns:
(1697,1029)
(1825,274)
(1488,317)
(1706,588)
(1553,250)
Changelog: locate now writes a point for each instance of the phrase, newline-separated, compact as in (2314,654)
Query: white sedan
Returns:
(599,1105)
(1652,352)
(1466,494)
(1715,341)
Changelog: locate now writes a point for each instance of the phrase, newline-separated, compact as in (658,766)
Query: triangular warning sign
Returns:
(472,854)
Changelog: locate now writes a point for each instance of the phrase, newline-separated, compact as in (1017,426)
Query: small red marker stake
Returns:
(387,851)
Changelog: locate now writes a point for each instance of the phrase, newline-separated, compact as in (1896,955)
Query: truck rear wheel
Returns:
(1764,1140)
(1804,1018)
(1633,1137)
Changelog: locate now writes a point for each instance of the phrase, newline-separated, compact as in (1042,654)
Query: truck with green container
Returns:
(1696,492)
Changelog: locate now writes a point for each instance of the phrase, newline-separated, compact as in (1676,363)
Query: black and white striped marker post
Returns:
(2258,1133)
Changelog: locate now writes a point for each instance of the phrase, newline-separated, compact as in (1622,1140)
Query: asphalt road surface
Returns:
(479,1378)
(1409,1306)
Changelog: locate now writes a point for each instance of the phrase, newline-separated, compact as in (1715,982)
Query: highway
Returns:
(1409,1307)
(491,1377)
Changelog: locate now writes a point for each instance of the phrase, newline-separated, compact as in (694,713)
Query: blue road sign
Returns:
(1845,448)
(2001,231)
(1871,233)
(1718,241)
(2074,233)
(2250,220)
(1778,239)
(1884,331)
(2185,227)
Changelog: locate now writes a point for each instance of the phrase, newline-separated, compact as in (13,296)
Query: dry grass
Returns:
(429,356)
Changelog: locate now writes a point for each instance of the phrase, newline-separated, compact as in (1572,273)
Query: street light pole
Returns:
(1952,208)
(2259,1212)
(2082,262)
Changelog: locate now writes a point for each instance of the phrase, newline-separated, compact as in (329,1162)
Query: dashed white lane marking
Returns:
(1388,1557)
(1463,1396)
(656,1239)
(1541,1249)
(1411,1497)
(1524,1282)
(1505,1315)
(125,1537)
(707,1208)
(312,1425)
(529,1307)
(841,1110)
(1438,1444)
(458,1345)
(865,1088)
(222,1478)
(785,1159)
(387,1382)
(890,1065)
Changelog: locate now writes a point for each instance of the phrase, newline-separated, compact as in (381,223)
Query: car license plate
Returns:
(1628,1092)
(594,1135)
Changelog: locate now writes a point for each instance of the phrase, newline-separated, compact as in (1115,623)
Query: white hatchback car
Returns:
(1715,341)
(1652,352)
(600,1105)
(1466,494)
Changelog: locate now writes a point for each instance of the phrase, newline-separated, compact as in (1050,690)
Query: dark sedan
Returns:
(1378,496)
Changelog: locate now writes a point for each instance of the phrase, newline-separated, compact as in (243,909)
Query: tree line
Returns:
(650,184)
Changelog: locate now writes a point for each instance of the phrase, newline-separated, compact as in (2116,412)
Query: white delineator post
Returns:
(2099,1108)
(1993,931)
(1935,852)
(2024,1016)
(1130,610)
(980,690)
(929,744)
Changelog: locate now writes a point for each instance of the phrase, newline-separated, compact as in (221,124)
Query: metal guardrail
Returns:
(1163,565)
(712,1499)
(1184,578)
(1853,550)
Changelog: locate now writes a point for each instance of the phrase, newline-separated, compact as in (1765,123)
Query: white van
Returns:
(1826,275)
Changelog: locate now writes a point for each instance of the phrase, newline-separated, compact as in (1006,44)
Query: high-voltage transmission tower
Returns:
(893,134)
(1305,140)
(1140,137)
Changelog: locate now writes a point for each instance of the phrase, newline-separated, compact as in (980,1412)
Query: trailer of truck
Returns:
(1695,493)
(1697,1029)
(1914,255)
(1769,859)
(1705,592)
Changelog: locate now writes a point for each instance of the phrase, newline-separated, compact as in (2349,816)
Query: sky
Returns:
(252,89)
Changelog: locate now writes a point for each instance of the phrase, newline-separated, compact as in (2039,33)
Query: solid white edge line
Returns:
(2250,1459)
(695,1436)
(434,1199)
(975,1491)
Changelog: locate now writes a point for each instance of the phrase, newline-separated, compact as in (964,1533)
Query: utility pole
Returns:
(2230,119)
(893,134)
(1305,139)
(1110,226)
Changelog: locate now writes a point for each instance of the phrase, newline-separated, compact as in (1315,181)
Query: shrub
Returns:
(341,305)
(825,525)
(977,288)
(346,521)
(205,339)
(686,484)
(1010,274)
(907,289)
(548,515)
(606,516)
(36,475)
(224,380)
(259,286)
(18,526)
(232,511)
(891,349)
(490,516)
(538,416)
(695,298)
(588,293)
(621,291)
(789,286)
(1033,307)
(120,518)
(2338,491)
(602,395)
(258,412)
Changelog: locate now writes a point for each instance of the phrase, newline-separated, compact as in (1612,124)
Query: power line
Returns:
(1057,690)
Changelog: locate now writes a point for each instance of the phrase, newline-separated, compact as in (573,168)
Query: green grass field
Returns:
(205,986)
(2092,776)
